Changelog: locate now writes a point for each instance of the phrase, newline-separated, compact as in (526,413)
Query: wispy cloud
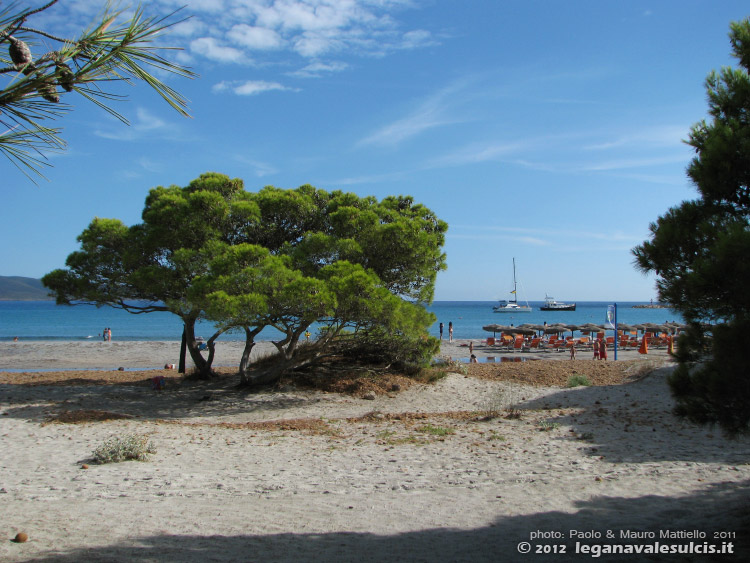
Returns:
(495,237)
(476,153)
(319,68)
(435,111)
(629,163)
(259,168)
(541,237)
(666,136)
(144,123)
(250,87)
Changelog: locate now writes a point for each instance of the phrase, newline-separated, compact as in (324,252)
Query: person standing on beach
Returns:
(441,331)
(450,331)
(104,334)
(596,348)
(471,347)
(573,351)
(603,350)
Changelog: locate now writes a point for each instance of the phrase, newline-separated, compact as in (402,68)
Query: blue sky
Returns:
(547,131)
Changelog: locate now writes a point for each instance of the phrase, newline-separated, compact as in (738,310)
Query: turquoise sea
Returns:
(44,320)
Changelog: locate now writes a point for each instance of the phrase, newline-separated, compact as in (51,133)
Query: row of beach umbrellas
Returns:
(529,329)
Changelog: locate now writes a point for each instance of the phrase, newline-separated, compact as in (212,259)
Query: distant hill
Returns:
(17,288)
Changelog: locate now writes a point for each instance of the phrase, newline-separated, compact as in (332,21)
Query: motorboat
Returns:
(511,305)
(551,305)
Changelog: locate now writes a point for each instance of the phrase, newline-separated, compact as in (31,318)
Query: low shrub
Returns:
(130,447)
(578,381)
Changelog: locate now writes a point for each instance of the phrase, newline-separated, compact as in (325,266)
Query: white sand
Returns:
(613,458)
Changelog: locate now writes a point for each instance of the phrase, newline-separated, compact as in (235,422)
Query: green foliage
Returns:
(285,259)
(130,447)
(717,390)
(578,381)
(123,46)
(699,252)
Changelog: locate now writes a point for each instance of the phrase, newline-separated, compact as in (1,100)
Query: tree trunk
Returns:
(183,351)
(203,366)
(273,373)
(245,361)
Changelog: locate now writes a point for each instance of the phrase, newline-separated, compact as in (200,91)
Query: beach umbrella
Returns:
(556,329)
(573,328)
(590,327)
(653,327)
(625,327)
(495,328)
(532,326)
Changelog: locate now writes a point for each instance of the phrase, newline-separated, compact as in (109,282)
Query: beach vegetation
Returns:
(354,270)
(41,69)
(492,407)
(546,425)
(124,448)
(436,430)
(698,251)
(578,380)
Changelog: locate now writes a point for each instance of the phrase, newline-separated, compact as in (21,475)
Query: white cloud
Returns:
(212,49)
(249,87)
(311,44)
(307,28)
(260,38)
(146,121)
(417,38)
(189,28)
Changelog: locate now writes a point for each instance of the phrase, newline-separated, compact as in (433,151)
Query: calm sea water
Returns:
(43,320)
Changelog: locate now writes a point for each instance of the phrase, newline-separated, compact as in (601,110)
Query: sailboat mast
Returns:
(515,286)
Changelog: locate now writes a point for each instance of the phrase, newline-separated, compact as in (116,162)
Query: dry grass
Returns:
(84,416)
(555,373)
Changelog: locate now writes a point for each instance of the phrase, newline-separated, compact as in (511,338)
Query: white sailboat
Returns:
(511,305)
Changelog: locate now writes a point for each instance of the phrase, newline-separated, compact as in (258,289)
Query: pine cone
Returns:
(49,93)
(65,77)
(20,54)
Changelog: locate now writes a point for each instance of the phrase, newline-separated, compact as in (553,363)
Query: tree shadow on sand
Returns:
(178,400)
(639,415)
(719,508)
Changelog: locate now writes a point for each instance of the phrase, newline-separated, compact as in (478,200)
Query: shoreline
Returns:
(96,355)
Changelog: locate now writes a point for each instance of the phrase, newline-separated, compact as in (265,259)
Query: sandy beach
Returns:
(432,472)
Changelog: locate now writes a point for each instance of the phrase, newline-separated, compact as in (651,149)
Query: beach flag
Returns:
(644,345)
(611,317)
